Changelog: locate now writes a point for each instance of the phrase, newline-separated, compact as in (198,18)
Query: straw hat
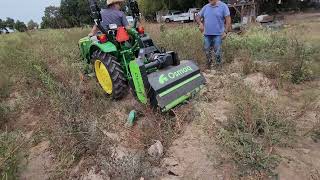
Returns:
(109,2)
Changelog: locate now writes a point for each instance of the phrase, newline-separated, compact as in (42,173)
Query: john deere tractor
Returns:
(124,59)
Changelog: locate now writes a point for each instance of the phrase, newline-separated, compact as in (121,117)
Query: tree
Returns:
(20,26)
(52,18)
(2,26)
(76,12)
(32,25)
(10,23)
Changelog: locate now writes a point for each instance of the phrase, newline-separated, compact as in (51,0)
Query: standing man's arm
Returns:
(199,19)
(228,24)
(226,14)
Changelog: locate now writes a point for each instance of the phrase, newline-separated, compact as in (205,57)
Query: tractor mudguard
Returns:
(88,46)
(105,47)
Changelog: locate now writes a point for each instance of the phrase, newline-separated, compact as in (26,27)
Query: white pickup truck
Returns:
(178,16)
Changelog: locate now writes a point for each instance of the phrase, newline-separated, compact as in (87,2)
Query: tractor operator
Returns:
(112,15)
(215,22)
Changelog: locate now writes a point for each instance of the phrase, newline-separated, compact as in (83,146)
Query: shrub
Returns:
(254,127)
(262,44)
(186,40)
(292,59)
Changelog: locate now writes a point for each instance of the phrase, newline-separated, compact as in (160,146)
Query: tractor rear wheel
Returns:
(109,74)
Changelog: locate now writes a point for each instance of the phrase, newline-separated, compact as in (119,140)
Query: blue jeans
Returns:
(212,44)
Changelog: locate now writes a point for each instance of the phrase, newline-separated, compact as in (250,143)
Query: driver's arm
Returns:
(125,22)
(94,30)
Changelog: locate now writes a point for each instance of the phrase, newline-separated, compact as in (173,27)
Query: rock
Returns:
(93,175)
(306,151)
(176,170)
(156,150)
(112,136)
(169,162)
(170,178)
(235,76)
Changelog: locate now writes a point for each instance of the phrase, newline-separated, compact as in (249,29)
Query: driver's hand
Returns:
(90,34)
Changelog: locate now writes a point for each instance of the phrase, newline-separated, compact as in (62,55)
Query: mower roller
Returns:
(128,58)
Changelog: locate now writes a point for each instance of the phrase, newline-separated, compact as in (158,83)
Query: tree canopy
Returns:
(10,23)
(32,25)
(20,26)
(150,7)
(2,24)
(52,18)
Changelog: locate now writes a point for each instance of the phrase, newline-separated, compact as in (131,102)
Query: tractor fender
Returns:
(107,47)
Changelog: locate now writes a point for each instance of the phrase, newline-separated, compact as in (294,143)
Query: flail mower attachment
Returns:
(171,84)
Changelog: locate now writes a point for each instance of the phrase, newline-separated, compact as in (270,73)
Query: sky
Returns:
(25,10)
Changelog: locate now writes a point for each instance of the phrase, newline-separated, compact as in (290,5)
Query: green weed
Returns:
(254,128)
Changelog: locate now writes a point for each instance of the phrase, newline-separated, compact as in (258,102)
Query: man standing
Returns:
(215,22)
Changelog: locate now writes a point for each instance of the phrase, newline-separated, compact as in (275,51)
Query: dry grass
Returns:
(11,154)
(186,39)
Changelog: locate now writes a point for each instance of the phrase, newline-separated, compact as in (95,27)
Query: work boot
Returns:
(209,64)
(219,67)
(209,59)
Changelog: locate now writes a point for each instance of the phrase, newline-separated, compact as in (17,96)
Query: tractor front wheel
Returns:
(109,74)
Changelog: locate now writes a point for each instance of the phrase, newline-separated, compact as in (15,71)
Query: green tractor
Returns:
(128,58)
